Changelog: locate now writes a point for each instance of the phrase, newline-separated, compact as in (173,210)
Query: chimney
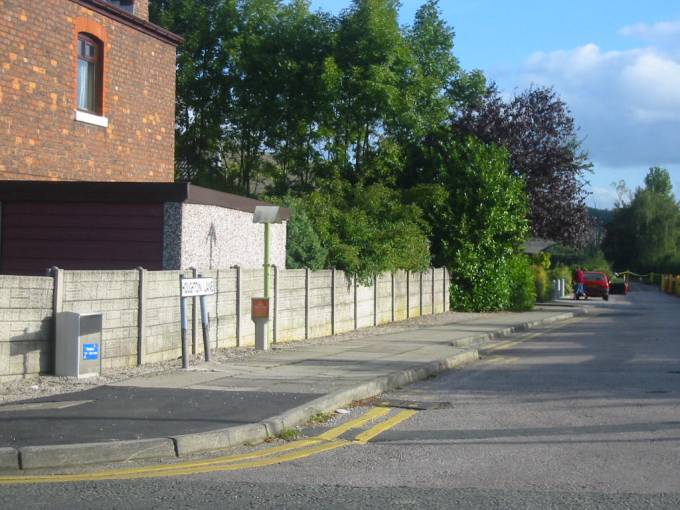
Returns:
(140,8)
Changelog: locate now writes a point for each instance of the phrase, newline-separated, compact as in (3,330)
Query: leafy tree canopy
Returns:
(539,133)
(645,233)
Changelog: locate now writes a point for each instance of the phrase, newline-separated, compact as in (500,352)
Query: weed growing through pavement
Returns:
(320,418)
(289,434)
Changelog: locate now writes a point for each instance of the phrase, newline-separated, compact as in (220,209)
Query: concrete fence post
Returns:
(356,318)
(392,293)
(275,305)
(57,290)
(433,273)
(375,300)
(333,301)
(408,294)
(238,305)
(57,304)
(306,303)
(421,294)
(141,317)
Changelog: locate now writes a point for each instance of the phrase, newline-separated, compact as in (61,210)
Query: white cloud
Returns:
(653,31)
(626,102)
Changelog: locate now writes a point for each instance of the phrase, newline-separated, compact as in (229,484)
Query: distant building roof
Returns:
(535,245)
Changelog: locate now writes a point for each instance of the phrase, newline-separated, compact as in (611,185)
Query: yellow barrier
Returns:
(670,284)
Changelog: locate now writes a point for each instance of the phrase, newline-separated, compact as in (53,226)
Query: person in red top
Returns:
(580,279)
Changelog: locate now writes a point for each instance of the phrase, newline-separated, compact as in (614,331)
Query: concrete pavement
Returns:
(216,406)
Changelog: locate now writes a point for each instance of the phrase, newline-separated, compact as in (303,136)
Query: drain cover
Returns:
(412,404)
(676,372)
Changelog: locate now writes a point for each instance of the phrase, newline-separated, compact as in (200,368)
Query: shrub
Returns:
(478,286)
(522,288)
(542,283)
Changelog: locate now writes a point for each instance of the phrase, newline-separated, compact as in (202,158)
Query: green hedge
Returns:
(542,284)
(522,289)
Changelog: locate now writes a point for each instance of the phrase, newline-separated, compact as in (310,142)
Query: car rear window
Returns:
(594,277)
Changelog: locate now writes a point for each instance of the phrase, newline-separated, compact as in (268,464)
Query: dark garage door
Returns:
(39,235)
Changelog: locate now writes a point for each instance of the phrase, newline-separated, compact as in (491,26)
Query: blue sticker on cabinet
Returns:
(90,351)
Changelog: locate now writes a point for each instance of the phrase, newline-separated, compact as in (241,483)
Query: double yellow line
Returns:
(327,441)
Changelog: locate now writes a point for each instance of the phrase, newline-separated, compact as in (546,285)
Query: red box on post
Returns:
(259,308)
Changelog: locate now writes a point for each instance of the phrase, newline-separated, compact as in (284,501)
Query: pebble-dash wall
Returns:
(141,310)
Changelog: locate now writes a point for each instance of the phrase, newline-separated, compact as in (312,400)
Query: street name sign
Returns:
(192,287)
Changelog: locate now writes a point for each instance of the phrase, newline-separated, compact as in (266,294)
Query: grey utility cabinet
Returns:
(78,350)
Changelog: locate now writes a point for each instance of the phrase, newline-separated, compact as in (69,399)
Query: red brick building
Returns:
(87,126)
(87,92)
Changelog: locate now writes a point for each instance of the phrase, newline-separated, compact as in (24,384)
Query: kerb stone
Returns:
(53,456)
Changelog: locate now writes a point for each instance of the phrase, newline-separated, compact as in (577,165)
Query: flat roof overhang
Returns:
(126,193)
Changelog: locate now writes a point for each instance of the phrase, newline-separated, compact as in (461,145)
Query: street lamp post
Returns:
(260,306)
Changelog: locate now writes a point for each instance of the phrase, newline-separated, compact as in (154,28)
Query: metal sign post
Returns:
(189,288)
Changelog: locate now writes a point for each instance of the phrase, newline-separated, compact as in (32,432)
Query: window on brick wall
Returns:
(90,74)
(126,5)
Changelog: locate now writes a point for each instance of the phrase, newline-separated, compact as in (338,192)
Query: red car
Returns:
(596,284)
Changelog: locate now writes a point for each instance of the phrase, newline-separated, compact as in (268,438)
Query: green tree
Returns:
(658,180)
(368,229)
(363,77)
(645,232)
(304,248)
(539,132)
(430,41)
(204,78)
(477,211)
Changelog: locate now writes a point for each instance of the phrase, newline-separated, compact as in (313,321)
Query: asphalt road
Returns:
(585,415)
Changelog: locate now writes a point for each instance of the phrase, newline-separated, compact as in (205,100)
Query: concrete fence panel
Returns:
(344,302)
(413,294)
(115,295)
(290,320)
(384,298)
(25,326)
(162,316)
(400,296)
(226,308)
(427,293)
(320,300)
(365,310)
(141,310)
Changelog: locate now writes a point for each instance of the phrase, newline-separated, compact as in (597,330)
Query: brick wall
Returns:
(305,305)
(39,138)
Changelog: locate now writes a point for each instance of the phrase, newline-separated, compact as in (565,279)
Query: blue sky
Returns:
(616,63)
